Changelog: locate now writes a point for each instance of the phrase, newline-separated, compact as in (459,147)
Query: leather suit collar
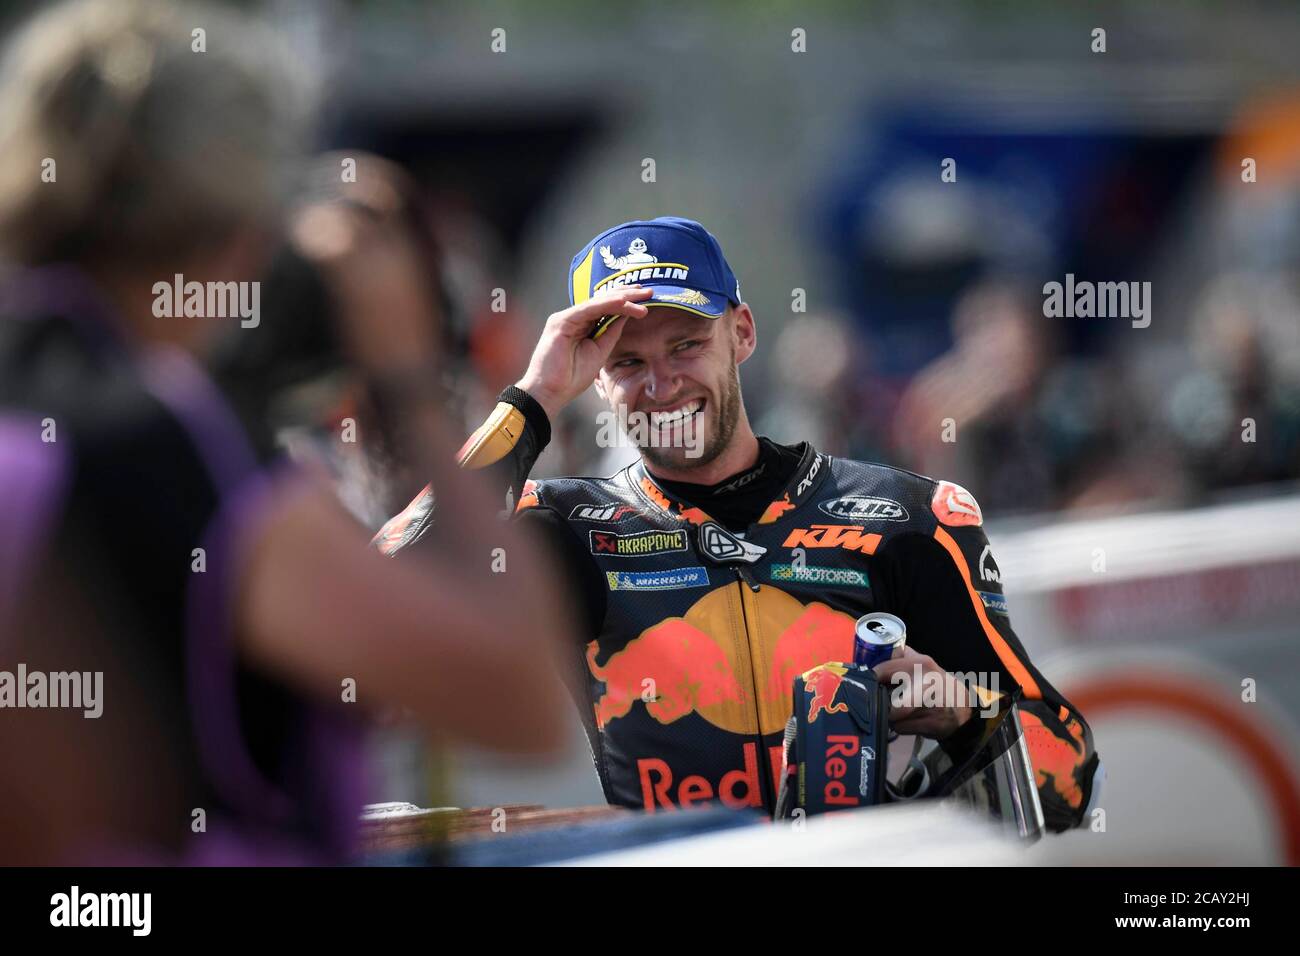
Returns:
(807,478)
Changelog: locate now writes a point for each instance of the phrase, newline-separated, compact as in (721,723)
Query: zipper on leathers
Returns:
(764,763)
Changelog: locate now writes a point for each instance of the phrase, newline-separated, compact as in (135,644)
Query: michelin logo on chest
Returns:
(671,580)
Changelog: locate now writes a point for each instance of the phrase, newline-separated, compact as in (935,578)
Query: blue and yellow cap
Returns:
(677,258)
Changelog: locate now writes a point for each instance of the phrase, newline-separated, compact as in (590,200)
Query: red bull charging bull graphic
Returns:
(701,663)
(698,662)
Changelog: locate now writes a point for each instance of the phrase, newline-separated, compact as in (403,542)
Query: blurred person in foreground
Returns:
(719,566)
(232,609)
(295,381)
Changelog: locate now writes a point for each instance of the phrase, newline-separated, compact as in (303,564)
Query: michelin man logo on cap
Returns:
(676,258)
(636,255)
(637,266)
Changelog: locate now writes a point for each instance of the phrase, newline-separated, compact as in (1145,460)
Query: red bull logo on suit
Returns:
(703,663)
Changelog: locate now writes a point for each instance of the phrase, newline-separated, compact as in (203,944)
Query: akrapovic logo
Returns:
(860,508)
(636,545)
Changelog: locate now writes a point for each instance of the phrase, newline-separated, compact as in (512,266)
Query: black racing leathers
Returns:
(703,604)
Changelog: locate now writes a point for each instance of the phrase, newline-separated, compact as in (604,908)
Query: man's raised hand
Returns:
(566,359)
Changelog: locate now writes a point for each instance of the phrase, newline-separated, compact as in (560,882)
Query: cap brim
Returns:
(711,305)
(708,304)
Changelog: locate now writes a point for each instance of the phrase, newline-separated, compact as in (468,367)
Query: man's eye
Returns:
(626,363)
(686,345)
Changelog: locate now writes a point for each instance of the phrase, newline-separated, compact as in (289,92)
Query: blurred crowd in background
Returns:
(901,316)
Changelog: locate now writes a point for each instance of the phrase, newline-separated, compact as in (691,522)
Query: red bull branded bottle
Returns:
(875,636)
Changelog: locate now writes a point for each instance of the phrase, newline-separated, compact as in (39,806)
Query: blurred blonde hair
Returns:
(159,149)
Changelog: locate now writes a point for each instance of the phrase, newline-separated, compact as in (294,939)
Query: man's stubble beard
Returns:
(727,417)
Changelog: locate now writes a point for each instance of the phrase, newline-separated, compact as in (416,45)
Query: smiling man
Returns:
(721,565)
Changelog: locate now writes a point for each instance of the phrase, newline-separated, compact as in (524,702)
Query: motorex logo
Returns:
(810,574)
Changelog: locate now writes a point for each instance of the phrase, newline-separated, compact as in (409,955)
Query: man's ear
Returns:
(744,331)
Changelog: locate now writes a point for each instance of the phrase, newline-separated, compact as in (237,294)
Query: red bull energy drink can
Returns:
(875,636)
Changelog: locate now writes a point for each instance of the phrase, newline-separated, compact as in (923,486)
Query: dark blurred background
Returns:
(820,171)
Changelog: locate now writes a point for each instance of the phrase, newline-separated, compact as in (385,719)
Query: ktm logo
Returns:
(852,537)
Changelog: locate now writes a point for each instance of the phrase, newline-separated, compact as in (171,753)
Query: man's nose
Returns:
(661,382)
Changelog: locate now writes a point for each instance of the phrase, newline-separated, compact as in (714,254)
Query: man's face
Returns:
(673,377)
